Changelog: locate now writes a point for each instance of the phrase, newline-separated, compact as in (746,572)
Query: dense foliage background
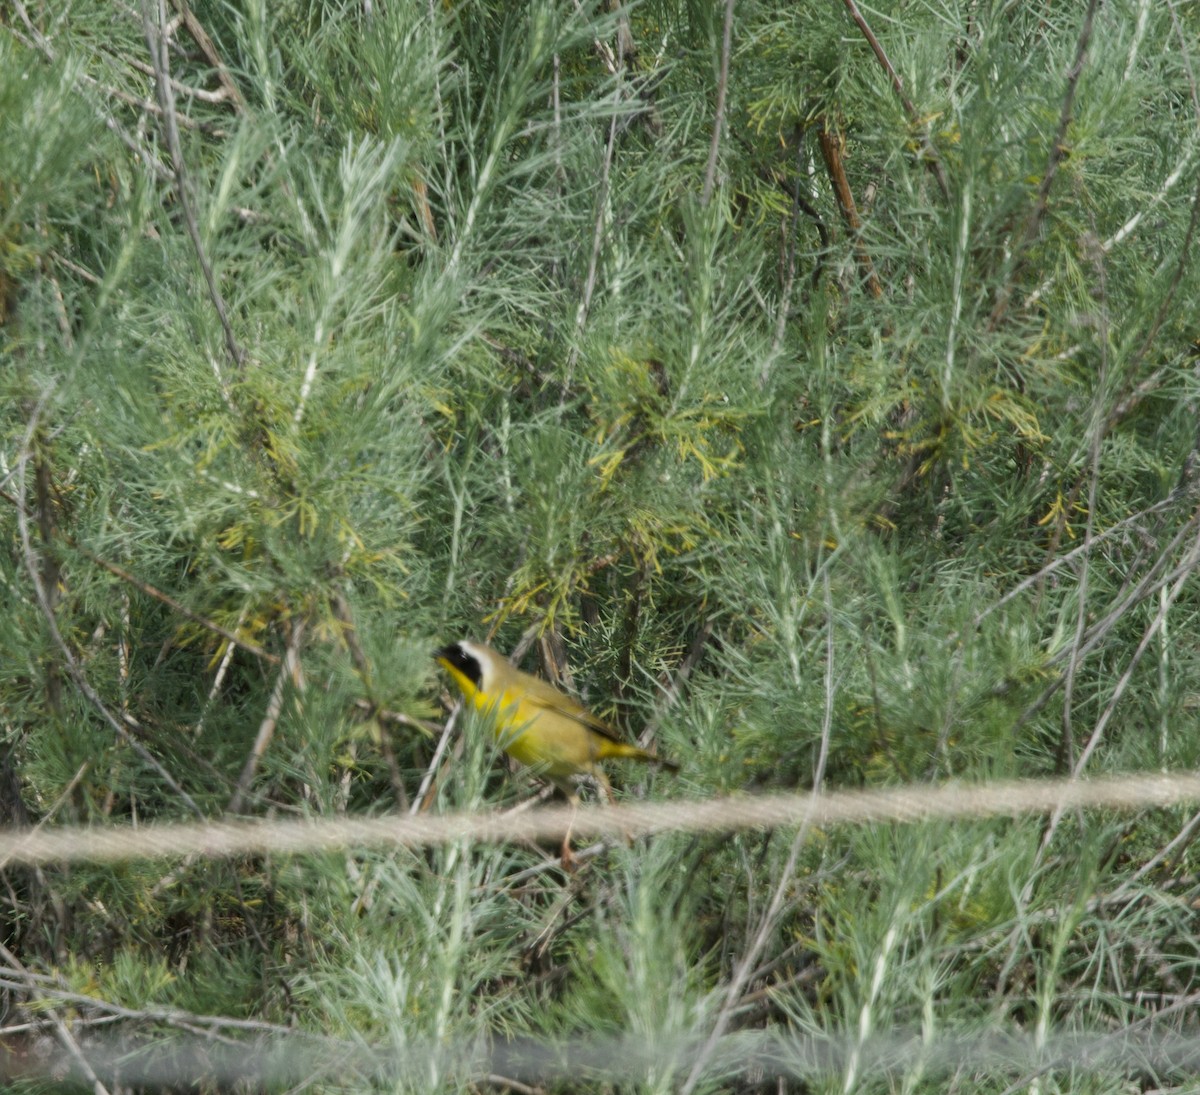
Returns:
(813,387)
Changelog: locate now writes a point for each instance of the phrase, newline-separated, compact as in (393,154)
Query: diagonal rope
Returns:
(217,839)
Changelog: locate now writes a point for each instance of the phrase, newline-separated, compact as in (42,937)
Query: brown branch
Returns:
(43,492)
(932,159)
(151,591)
(137,101)
(789,233)
(421,197)
(831,144)
(213,97)
(774,176)
(197,31)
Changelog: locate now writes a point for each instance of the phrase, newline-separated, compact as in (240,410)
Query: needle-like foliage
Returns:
(811,388)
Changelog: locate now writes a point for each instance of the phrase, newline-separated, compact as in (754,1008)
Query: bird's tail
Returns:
(634,752)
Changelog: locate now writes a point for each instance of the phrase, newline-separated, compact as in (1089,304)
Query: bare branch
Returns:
(1058,152)
(70,662)
(710,172)
(38,41)
(831,144)
(153,25)
(65,1037)
(266,730)
(931,154)
(197,31)
(748,963)
(231,637)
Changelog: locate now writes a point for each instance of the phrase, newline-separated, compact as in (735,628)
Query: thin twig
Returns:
(1097,432)
(673,690)
(603,49)
(589,285)
(38,41)
(213,97)
(1185,53)
(70,662)
(551,863)
(145,587)
(931,154)
(200,35)
(1180,840)
(1184,571)
(49,570)
(509,1084)
(714,147)
(789,268)
(1191,561)
(426,726)
(266,729)
(1150,584)
(137,101)
(60,303)
(770,919)
(37,1026)
(60,1028)
(793,190)
(1058,152)
(75,268)
(51,989)
(153,25)
(1042,573)
(420,803)
(218,680)
(229,636)
(1124,1032)
(1166,305)
(362,664)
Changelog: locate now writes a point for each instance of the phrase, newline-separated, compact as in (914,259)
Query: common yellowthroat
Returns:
(535,723)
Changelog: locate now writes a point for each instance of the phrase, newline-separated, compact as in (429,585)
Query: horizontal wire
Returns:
(304,1058)
(912,803)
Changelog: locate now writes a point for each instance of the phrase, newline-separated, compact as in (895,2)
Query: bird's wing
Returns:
(539,693)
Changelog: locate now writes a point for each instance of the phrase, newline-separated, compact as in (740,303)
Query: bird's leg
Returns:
(606,787)
(568,859)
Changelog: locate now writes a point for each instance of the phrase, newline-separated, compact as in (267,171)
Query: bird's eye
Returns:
(467,664)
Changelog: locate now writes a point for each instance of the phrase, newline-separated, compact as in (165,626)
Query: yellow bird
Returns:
(534,722)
